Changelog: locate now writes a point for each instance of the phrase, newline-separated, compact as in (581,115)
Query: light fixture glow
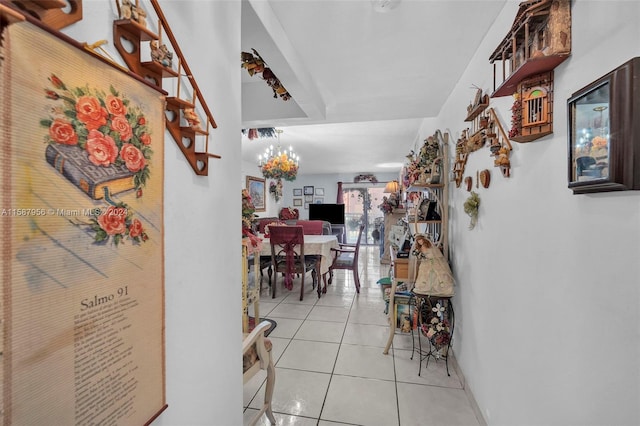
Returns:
(278,163)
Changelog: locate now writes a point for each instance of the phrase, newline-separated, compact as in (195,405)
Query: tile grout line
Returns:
(336,360)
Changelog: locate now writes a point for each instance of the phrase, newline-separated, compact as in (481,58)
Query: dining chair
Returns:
(265,261)
(256,356)
(288,258)
(346,257)
(311,227)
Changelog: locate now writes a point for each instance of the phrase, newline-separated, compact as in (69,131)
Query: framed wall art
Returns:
(308,198)
(297,192)
(257,191)
(82,304)
(318,200)
(308,190)
(604,135)
(297,202)
(320,191)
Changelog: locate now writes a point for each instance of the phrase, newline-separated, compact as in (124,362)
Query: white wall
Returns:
(547,325)
(328,182)
(202,253)
(547,305)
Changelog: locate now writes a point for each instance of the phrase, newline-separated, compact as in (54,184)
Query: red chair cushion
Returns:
(310,227)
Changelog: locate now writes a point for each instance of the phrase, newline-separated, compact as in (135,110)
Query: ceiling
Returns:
(362,74)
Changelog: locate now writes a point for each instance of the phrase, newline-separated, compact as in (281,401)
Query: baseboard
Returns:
(467,391)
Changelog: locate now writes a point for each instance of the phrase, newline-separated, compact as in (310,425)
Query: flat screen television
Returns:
(333,213)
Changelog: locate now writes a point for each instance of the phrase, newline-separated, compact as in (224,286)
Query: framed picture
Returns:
(308,190)
(306,205)
(318,201)
(257,192)
(308,198)
(403,318)
(297,201)
(297,192)
(320,191)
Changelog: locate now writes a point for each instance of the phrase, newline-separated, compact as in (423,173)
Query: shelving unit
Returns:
(401,270)
(390,219)
(438,193)
(250,286)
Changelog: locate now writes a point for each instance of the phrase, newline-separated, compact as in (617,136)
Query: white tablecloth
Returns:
(313,244)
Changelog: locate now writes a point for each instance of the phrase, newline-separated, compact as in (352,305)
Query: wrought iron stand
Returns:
(436,321)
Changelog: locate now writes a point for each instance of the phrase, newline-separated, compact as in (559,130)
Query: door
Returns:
(361,207)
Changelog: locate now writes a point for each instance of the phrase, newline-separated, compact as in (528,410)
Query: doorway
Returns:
(361,207)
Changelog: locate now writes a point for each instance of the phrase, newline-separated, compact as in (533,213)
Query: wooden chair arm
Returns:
(343,245)
(257,334)
(342,250)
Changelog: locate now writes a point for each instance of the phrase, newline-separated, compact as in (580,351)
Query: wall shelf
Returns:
(52,13)
(185,136)
(538,41)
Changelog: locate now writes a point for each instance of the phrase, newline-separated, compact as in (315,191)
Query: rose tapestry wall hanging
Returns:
(82,258)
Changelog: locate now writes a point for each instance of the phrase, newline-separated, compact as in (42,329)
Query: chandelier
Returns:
(277,163)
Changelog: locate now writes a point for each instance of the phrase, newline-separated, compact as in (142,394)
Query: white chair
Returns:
(256,356)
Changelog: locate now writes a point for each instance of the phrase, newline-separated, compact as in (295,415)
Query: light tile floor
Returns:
(330,369)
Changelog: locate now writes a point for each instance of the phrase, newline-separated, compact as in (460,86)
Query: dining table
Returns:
(318,245)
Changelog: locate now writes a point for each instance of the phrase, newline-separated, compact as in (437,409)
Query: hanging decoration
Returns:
(254,64)
(365,178)
(263,132)
(471,208)
(275,189)
(277,163)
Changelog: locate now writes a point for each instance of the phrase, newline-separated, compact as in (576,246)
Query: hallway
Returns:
(330,368)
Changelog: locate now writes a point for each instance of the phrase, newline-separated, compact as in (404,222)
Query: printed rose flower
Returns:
(115,106)
(61,131)
(57,83)
(102,149)
(135,229)
(120,125)
(52,95)
(104,123)
(112,221)
(90,112)
(145,138)
(132,156)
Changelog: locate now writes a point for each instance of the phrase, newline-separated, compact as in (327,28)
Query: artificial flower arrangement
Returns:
(516,116)
(388,204)
(421,162)
(248,210)
(471,208)
(254,64)
(280,167)
(437,329)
